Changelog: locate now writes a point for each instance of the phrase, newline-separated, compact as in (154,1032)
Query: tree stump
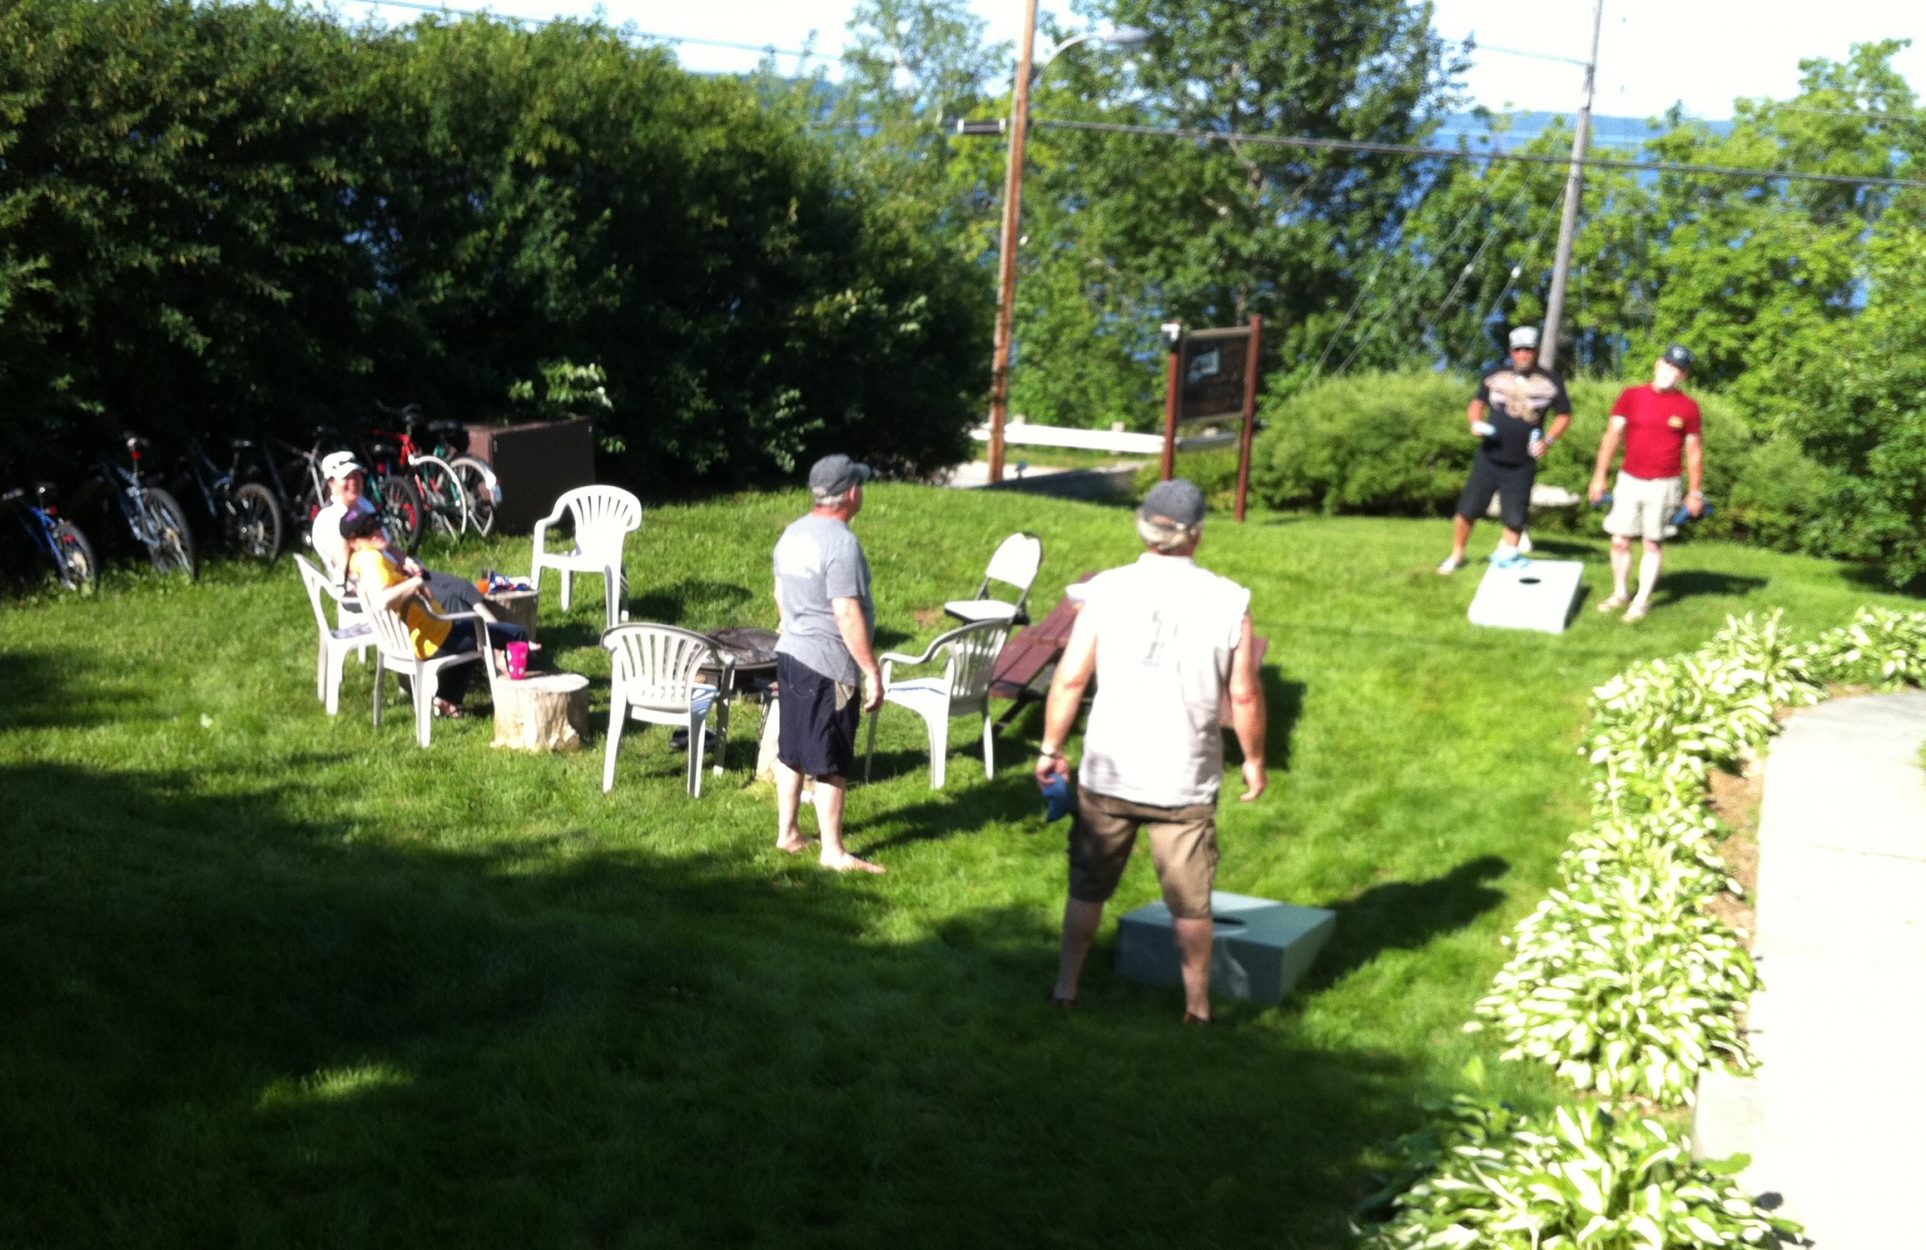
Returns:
(517,607)
(542,712)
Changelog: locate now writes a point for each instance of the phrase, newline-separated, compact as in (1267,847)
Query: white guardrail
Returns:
(1122,442)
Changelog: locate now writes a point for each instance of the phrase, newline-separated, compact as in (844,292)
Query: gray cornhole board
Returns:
(1540,595)
(1258,951)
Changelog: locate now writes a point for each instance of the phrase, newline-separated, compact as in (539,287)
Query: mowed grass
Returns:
(271,979)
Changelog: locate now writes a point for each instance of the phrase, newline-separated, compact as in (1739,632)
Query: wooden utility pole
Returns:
(1007,251)
(1574,190)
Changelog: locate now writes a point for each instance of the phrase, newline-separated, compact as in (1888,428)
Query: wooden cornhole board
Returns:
(541,712)
(1259,947)
(1539,595)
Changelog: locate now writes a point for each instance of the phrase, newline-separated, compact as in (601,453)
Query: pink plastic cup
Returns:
(517,660)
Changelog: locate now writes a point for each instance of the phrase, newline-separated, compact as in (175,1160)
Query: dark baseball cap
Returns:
(1679,356)
(834,475)
(1177,501)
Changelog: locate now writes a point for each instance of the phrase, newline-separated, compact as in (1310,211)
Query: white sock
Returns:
(1648,574)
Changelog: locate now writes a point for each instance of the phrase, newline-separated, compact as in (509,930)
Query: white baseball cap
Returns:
(338,464)
(1524,336)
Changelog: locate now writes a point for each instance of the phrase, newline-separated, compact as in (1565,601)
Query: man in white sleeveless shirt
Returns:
(1164,640)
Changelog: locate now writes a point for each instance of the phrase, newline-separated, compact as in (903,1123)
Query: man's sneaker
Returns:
(1613,603)
(1524,544)
(1508,558)
(1635,613)
(1451,565)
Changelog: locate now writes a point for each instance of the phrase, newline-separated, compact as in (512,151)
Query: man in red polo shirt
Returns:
(1659,424)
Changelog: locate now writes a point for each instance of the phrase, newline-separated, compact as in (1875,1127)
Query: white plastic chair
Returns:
(968,657)
(395,651)
(353,636)
(655,679)
(602,517)
(1015,563)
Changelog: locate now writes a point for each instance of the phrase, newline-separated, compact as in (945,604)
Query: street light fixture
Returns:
(1018,127)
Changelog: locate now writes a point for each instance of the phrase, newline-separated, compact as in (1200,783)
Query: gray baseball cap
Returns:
(1177,501)
(834,475)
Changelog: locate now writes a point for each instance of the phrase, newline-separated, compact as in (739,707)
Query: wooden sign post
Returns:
(1213,377)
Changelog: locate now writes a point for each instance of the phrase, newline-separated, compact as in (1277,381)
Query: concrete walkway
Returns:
(1835,1117)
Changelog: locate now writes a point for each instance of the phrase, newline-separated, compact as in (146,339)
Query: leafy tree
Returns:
(1153,228)
(174,217)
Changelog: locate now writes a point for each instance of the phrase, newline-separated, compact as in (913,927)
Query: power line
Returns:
(1408,149)
(1472,39)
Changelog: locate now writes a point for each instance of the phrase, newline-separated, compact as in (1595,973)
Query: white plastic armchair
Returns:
(1014,564)
(602,517)
(395,651)
(353,636)
(968,656)
(656,679)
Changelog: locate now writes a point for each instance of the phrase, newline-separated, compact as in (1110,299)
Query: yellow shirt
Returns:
(376,572)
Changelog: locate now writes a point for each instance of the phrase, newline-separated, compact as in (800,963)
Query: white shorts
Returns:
(1644,507)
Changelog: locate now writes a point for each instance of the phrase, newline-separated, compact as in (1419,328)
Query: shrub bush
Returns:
(1395,445)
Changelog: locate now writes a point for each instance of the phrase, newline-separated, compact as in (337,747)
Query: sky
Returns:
(1652,53)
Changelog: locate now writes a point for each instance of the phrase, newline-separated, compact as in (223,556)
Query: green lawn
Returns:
(269,979)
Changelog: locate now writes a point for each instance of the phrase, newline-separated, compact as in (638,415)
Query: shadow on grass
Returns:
(1688,583)
(1283,705)
(240,1019)
(67,689)
(1405,915)
(710,604)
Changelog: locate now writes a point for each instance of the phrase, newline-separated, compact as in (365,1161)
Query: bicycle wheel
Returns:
(442,496)
(402,509)
(169,542)
(254,523)
(477,478)
(74,559)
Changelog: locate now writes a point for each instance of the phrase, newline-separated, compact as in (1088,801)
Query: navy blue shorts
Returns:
(816,730)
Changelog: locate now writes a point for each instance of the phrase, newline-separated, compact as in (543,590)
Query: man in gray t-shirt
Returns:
(824,660)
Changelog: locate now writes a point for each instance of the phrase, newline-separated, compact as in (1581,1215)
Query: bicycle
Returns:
(150,514)
(243,514)
(476,475)
(305,487)
(56,539)
(444,501)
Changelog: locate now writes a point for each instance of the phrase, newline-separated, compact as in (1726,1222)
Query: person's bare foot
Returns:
(850,863)
(793,846)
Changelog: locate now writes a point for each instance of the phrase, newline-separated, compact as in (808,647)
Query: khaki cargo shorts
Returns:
(1183,843)
(1643,507)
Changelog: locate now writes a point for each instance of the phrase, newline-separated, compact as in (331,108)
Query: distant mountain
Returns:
(1621,135)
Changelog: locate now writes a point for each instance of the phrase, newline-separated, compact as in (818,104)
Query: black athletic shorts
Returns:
(1512,485)
(816,727)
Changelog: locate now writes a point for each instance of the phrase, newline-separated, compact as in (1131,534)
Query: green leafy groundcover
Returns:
(1487,1176)
(1621,980)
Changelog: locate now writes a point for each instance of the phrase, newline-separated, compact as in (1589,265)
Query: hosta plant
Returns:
(1878,647)
(1489,1178)
(1703,704)
(1765,654)
(1675,838)
(1625,985)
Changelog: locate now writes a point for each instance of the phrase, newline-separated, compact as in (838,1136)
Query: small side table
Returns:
(517,607)
(541,712)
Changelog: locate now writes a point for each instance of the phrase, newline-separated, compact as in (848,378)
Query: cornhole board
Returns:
(1259,947)
(1539,595)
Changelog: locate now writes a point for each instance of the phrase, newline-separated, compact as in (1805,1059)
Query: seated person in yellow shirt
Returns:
(379,579)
